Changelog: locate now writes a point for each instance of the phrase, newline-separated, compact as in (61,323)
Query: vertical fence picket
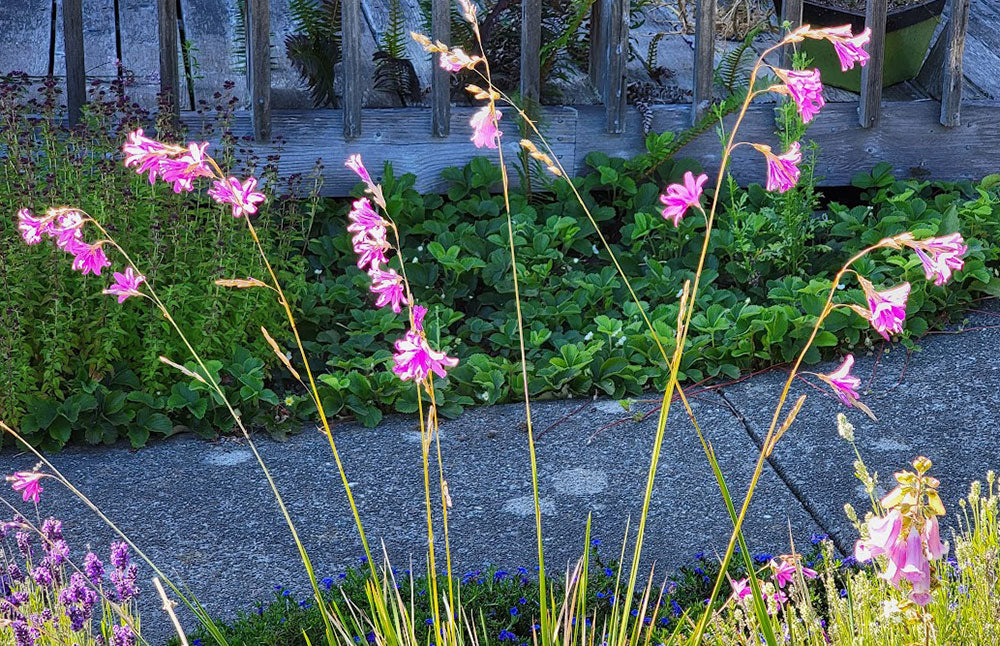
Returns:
(704,58)
(598,38)
(350,18)
(259,67)
(951,83)
(166,16)
(872,72)
(440,79)
(791,12)
(76,84)
(616,15)
(531,45)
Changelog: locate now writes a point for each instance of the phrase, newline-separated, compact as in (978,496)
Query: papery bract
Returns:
(126,285)
(805,88)
(782,170)
(678,198)
(389,287)
(242,196)
(485,128)
(91,259)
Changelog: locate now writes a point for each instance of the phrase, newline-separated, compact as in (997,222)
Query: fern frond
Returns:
(393,40)
(733,72)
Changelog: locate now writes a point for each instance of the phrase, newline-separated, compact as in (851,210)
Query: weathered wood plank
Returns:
(704,58)
(259,67)
(598,38)
(26,36)
(440,78)
(76,80)
(872,73)
(951,89)
(531,45)
(791,12)
(166,24)
(351,57)
(616,13)
(908,136)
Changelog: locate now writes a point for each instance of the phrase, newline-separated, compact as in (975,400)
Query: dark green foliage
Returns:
(733,71)
(314,48)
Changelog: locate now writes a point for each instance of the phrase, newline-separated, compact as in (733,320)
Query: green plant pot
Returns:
(908,36)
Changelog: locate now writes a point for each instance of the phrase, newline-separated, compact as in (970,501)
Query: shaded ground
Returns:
(204,511)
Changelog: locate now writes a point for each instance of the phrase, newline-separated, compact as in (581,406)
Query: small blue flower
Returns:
(507,635)
(608,572)
(600,595)
(370,637)
(595,542)
(522,601)
(762,558)
(327,582)
(815,539)
(513,612)
(676,608)
(499,575)
(522,570)
(700,556)
(843,593)
(286,593)
(635,613)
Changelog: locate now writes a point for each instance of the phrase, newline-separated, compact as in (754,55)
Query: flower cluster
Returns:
(414,358)
(181,166)
(907,537)
(785,570)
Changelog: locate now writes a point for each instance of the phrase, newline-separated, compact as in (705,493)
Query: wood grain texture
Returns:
(872,73)
(440,79)
(350,42)
(791,12)
(598,37)
(908,136)
(951,82)
(76,81)
(259,67)
(704,58)
(531,47)
(166,26)
(615,63)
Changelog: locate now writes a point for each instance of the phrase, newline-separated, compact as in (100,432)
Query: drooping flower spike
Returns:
(182,170)
(126,285)
(678,198)
(850,48)
(485,127)
(805,88)
(28,484)
(782,170)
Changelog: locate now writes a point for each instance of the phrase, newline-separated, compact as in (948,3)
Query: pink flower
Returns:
(126,285)
(371,249)
(883,535)
(28,483)
(887,309)
(456,60)
(243,198)
(805,89)
(485,127)
(849,48)
(414,359)
(784,571)
(183,170)
(679,198)
(65,229)
(364,220)
(354,163)
(91,259)
(389,287)
(782,170)
(843,382)
(31,228)
(932,537)
(741,588)
(144,153)
(941,256)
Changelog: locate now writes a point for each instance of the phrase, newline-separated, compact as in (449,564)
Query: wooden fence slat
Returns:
(166,19)
(440,78)
(704,58)
(598,38)
(76,83)
(951,85)
(350,18)
(531,45)
(259,66)
(615,14)
(871,73)
(791,12)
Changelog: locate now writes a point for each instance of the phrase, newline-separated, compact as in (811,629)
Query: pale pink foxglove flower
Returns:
(371,249)
(849,48)
(184,169)
(389,287)
(932,537)
(364,220)
(485,127)
(414,359)
(678,198)
(883,535)
(782,170)
(844,384)
(28,483)
(241,196)
(91,259)
(126,285)
(31,228)
(805,88)
(940,256)
(887,309)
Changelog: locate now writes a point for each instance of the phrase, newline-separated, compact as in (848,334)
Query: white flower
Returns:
(588,336)
(420,248)
(596,249)
(317,271)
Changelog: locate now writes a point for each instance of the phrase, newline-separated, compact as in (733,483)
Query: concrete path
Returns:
(204,512)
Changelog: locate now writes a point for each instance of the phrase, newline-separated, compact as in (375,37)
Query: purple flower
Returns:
(52,529)
(144,153)
(24,543)
(242,196)
(805,88)
(57,551)
(119,555)
(678,198)
(124,582)
(28,483)
(849,48)
(354,163)
(93,568)
(126,285)
(24,635)
(91,259)
(122,636)
(414,358)
(42,573)
(843,382)
(485,127)
(14,572)
(782,170)
(371,249)
(389,287)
